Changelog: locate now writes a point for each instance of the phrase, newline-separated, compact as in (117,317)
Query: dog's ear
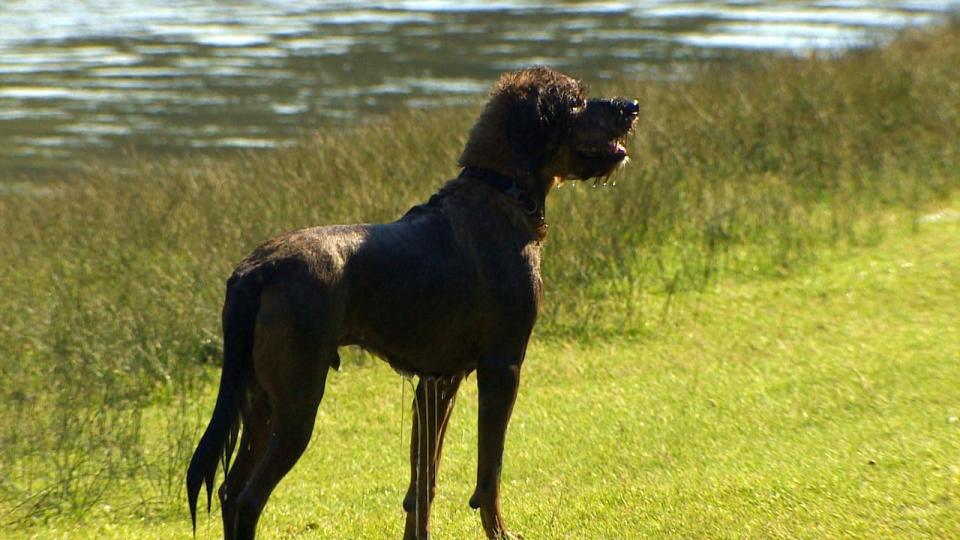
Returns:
(529,127)
(529,110)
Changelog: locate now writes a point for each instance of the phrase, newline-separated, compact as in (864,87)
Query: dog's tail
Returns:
(218,441)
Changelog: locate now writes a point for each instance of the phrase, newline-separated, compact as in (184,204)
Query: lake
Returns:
(85,78)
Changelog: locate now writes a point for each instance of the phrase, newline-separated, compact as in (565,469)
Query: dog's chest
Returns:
(516,284)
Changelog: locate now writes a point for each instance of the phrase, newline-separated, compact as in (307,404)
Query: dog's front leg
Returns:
(497,381)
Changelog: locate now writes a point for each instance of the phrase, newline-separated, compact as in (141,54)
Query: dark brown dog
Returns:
(451,287)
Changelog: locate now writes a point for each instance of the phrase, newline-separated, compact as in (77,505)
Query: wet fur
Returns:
(450,288)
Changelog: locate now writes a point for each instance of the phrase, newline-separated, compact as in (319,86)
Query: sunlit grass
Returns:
(821,405)
(109,301)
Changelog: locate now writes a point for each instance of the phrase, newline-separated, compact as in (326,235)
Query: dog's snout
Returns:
(627,107)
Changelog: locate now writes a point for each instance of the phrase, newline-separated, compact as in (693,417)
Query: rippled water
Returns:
(82,77)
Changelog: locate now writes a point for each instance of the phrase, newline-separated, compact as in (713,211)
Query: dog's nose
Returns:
(631,107)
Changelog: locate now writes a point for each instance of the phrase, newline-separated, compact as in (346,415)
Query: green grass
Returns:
(703,301)
(822,405)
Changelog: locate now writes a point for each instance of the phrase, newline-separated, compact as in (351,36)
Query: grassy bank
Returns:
(109,323)
(821,405)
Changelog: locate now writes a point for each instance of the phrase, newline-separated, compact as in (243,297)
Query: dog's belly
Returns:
(425,334)
(425,361)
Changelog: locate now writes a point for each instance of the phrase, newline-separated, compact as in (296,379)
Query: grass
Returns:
(821,405)
(703,301)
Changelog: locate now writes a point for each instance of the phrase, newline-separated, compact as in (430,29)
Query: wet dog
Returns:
(450,288)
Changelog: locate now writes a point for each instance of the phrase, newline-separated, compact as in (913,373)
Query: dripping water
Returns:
(416,484)
(427,410)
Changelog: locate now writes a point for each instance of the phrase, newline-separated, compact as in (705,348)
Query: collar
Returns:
(509,187)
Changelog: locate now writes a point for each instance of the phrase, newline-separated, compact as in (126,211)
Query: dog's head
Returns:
(539,124)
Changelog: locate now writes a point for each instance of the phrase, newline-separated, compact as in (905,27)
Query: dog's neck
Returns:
(530,202)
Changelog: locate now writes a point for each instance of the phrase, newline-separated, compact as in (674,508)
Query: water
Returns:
(81,78)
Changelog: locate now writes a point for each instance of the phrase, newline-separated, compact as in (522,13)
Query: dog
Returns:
(450,288)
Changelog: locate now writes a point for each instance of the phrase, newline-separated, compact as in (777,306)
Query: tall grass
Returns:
(110,291)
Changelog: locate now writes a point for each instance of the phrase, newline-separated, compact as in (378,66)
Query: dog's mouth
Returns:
(598,160)
(609,150)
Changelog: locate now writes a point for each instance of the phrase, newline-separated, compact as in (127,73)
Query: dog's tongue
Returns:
(617,148)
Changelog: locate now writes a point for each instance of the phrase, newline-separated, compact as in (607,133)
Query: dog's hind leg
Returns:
(447,392)
(291,362)
(255,416)
(433,405)
(497,382)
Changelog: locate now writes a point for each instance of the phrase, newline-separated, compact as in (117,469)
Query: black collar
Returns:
(509,187)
